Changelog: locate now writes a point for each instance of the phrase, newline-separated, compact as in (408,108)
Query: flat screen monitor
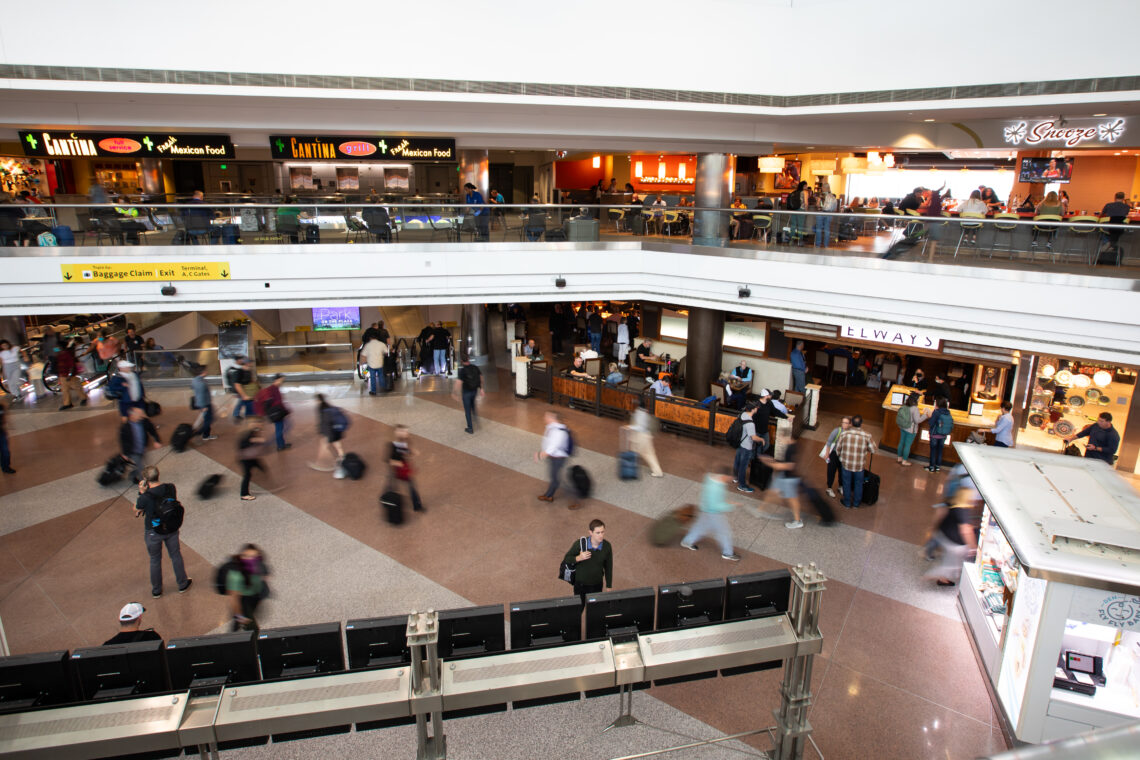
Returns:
(977,407)
(336,318)
(619,613)
(120,670)
(757,594)
(472,631)
(1046,170)
(35,680)
(898,398)
(217,660)
(684,604)
(300,650)
(544,622)
(377,642)
(1080,663)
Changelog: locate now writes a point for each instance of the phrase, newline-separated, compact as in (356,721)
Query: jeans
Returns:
(469,407)
(139,458)
(248,608)
(711,523)
(207,420)
(376,380)
(1001,445)
(5,454)
(833,468)
(905,441)
(852,486)
(154,543)
(740,465)
(440,356)
(279,431)
(799,380)
(936,445)
(796,227)
(247,468)
(822,230)
(246,404)
(556,464)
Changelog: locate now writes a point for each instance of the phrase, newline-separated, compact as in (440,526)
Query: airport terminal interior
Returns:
(360,308)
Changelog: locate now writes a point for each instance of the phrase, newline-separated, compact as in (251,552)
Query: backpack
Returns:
(46,239)
(236,376)
(566,570)
(944,425)
(469,377)
(793,201)
(222,574)
(828,202)
(338,420)
(903,417)
(569,442)
(735,433)
(115,387)
(168,516)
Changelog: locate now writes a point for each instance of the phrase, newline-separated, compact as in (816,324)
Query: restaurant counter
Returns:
(964,425)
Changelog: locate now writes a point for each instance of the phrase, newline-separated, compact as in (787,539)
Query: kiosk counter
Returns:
(964,424)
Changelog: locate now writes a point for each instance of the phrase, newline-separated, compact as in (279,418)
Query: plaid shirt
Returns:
(852,448)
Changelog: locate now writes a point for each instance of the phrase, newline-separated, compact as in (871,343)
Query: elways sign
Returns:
(62,144)
(166,271)
(362,147)
(896,336)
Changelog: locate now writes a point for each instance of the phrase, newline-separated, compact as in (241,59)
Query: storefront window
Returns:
(1069,395)
(739,336)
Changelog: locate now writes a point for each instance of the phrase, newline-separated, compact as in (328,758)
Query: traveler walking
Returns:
(11,359)
(592,557)
(956,535)
(374,353)
(70,381)
(640,433)
(5,453)
(203,402)
(785,481)
(400,465)
(853,446)
(250,445)
(133,435)
(557,446)
(126,389)
(908,418)
(713,517)
(470,385)
(269,404)
(241,380)
(331,424)
(130,626)
(162,517)
(246,587)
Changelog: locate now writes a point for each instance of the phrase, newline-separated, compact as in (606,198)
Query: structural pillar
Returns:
(706,335)
(474,331)
(474,167)
(713,190)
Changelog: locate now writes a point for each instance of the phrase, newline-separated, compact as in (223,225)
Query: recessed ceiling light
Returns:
(811,147)
(928,119)
(1100,114)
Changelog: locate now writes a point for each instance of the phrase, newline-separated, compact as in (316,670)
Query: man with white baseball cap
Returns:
(130,623)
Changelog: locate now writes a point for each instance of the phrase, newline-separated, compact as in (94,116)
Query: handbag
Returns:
(193,403)
(567,570)
(276,414)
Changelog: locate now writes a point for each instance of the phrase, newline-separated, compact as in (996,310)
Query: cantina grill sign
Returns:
(1062,132)
(54,144)
(362,147)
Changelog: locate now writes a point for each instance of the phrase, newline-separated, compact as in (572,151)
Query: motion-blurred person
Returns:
(785,481)
(400,465)
(332,423)
(956,534)
(203,401)
(12,361)
(640,432)
(70,381)
(133,435)
(126,389)
(251,443)
(246,586)
(269,404)
(713,517)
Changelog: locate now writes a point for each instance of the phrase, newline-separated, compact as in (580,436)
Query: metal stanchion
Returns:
(427,694)
(793,728)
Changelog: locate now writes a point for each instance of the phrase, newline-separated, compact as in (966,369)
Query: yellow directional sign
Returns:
(165,271)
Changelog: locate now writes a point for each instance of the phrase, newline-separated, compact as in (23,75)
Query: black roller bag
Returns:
(113,471)
(759,475)
(392,502)
(819,504)
(870,487)
(181,437)
(580,482)
(353,466)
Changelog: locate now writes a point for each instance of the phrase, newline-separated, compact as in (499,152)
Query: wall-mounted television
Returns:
(1044,170)
(336,318)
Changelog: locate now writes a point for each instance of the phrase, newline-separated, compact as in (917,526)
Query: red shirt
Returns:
(268,398)
(65,363)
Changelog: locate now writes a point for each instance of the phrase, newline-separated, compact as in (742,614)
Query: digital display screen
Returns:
(1080,663)
(898,398)
(336,318)
(1045,170)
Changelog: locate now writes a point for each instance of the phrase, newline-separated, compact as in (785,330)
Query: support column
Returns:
(713,188)
(1024,377)
(474,167)
(473,327)
(706,334)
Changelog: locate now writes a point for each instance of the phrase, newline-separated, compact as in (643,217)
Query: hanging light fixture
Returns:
(1102,377)
(638,169)
(597,162)
(853,165)
(771,164)
(873,157)
(660,170)
(889,160)
(822,167)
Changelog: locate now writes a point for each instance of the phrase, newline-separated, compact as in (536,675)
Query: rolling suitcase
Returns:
(627,459)
(870,487)
(63,235)
(181,436)
(208,486)
(670,527)
(580,481)
(353,466)
(112,471)
(819,504)
(759,475)
(393,505)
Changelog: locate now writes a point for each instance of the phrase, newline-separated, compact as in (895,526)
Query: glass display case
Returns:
(1050,599)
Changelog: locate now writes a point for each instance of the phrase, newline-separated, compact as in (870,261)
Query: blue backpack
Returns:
(338,420)
(944,425)
(116,386)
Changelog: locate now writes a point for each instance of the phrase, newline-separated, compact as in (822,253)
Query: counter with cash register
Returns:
(1052,598)
(981,415)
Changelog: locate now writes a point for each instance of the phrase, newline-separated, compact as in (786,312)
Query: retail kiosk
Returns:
(1051,599)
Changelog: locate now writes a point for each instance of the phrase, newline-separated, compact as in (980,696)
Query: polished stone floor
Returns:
(897,678)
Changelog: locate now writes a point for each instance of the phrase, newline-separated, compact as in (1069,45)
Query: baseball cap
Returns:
(131,611)
(124,364)
(764,392)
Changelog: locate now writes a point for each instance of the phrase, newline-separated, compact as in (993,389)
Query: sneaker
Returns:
(184,589)
(209,438)
(831,493)
(469,431)
(155,594)
(286,446)
(731,557)
(690,547)
(746,489)
(794,524)
(9,471)
(65,406)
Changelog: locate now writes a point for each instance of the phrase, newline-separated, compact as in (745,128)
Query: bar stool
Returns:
(969,228)
(1112,237)
(935,231)
(1081,237)
(616,215)
(761,226)
(1047,224)
(1004,228)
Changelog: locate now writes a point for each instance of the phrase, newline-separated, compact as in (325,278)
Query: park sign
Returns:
(54,143)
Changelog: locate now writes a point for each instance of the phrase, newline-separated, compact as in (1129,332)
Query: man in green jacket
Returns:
(593,562)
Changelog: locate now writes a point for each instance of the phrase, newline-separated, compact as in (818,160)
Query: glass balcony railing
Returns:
(304,358)
(1071,243)
(177,363)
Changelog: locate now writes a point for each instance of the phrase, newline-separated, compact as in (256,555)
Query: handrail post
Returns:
(598,394)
